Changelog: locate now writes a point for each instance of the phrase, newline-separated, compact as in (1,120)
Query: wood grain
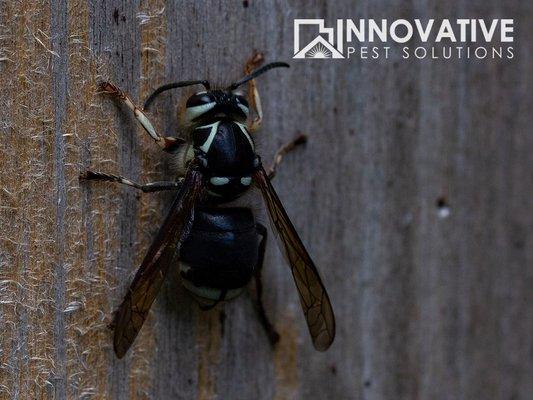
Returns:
(427,307)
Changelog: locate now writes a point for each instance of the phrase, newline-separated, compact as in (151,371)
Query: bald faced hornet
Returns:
(219,247)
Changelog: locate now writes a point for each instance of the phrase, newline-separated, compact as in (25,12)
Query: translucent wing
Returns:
(313,296)
(148,279)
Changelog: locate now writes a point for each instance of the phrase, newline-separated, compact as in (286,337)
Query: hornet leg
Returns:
(273,336)
(147,188)
(253,93)
(282,151)
(167,143)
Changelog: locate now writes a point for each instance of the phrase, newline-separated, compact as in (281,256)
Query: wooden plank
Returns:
(427,305)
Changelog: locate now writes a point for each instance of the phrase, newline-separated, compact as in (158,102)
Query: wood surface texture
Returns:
(427,307)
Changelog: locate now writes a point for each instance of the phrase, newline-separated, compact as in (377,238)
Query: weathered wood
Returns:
(427,307)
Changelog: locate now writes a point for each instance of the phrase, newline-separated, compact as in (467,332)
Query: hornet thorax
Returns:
(222,143)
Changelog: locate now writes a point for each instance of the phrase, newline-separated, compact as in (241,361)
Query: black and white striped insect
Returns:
(219,247)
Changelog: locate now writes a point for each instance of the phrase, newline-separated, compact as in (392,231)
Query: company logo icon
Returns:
(320,46)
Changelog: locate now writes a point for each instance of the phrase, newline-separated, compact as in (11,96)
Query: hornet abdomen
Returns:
(221,252)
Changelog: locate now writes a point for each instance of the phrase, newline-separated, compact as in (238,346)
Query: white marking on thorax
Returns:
(246,134)
(193,112)
(219,180)
(246,180)
(214,128)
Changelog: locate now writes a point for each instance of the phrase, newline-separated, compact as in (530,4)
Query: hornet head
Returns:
(215,104)
(212,104)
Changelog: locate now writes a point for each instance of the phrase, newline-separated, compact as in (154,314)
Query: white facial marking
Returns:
(246,134)
(219,180)
(214,128)
(193,112)
(246,180)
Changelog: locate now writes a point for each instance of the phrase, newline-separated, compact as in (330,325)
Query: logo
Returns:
(370,39)
(319,47)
